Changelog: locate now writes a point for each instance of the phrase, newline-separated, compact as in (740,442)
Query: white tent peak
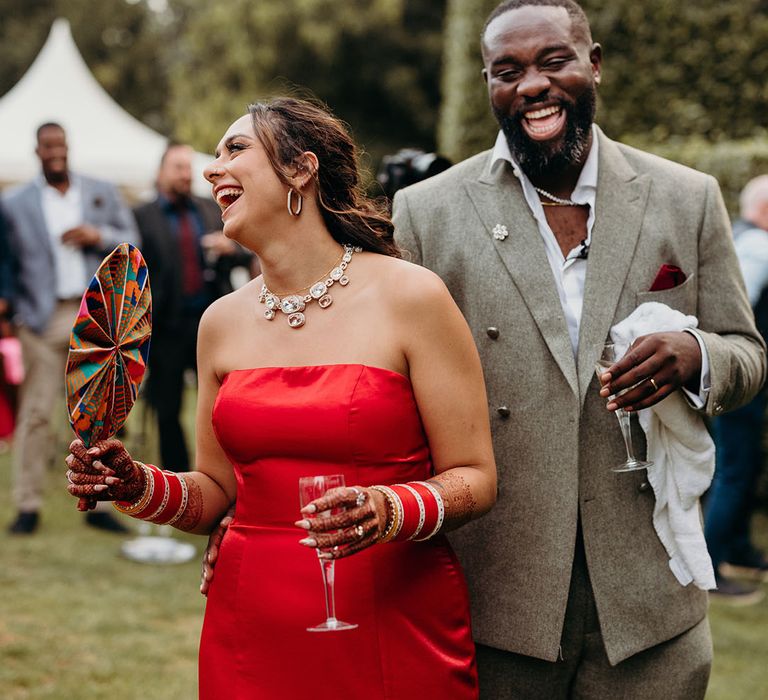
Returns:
(104,140)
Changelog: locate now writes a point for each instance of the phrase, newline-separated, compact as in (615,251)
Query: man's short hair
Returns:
(47,125)
(578,18)
(172,143)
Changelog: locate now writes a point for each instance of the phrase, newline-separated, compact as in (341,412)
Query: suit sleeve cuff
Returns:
(698,401)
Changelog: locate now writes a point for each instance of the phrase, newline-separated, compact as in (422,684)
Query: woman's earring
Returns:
(294,210)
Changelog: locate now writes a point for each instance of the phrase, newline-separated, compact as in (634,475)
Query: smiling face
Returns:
(542,70)
(52,152)
(174,178)
(245,186)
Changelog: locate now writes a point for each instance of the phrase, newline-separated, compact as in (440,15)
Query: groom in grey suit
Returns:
(61,227)
(545,242)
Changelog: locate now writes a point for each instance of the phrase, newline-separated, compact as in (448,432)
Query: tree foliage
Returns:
(671,69)
(189,68)
(374,62)
(679,69)
(465,125)
(119,41)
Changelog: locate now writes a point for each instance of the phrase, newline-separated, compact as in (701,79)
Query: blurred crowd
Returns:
(54,232)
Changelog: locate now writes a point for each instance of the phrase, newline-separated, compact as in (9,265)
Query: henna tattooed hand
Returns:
(105,472)
(359,524)
(212,551)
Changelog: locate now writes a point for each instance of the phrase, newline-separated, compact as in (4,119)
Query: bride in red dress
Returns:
(341,358)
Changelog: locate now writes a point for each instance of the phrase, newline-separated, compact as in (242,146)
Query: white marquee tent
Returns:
(104,140)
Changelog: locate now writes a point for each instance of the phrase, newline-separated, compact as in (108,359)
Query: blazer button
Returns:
(504,412)
(644,486)
(493,332)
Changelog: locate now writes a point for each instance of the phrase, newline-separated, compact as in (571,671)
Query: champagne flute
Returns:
(609,357)
(311,488)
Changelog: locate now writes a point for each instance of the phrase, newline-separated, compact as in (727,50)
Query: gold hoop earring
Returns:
(294,210)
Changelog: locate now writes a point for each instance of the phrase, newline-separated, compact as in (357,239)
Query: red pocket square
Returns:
(667,277)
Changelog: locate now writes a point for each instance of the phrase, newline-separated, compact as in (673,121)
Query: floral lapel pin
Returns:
(500,232)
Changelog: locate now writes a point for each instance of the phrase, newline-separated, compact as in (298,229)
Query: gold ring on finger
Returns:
(653,384)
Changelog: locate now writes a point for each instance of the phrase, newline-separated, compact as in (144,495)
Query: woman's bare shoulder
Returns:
(405,284)
(229,310)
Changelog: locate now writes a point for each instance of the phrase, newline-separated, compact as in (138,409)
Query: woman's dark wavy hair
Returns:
(287,127)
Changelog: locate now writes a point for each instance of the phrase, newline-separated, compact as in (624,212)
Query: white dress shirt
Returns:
(570,272)
(63,212)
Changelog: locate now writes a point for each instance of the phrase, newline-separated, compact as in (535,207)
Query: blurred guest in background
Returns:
(407,167)
(739,434)
(189,261)
(61,226)
(7,389)
(6,268)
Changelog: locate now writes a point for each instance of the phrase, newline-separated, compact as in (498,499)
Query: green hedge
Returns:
(733,162)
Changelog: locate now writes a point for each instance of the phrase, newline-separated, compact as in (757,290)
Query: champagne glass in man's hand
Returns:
(608,358)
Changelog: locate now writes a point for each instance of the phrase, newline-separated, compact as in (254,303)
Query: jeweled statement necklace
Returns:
(292,304)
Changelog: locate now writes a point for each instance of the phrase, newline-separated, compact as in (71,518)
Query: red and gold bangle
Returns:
(413,512)
(145,497)
(158,494)
(170,508)
(433,502)
(163,489)
(422,510)
(184,501)
(395,519)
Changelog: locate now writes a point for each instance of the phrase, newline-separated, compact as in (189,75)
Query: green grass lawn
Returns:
(78,622)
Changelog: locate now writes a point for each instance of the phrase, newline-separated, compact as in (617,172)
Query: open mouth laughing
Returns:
(226,196)
(544,123)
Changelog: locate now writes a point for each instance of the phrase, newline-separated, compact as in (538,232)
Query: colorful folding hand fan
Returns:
(109,346)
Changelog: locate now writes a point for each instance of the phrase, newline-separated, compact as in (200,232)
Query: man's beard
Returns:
(56,176)
(537,158)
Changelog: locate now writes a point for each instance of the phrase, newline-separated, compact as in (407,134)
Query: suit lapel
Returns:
(498,200)
(619,209)
(39,227)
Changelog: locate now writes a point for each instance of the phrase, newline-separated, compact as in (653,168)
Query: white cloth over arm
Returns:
(682,453)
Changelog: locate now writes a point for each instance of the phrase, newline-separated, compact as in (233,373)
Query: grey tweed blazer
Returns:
(554,441)
(35,272)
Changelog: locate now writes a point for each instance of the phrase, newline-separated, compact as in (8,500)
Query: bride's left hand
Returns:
(359,524)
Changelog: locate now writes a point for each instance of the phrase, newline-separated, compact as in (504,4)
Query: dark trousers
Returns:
(739,460)
(170,355)
(677,669)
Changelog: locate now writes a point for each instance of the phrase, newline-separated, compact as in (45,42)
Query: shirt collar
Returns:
(175,206)
(587,182)
(42,183)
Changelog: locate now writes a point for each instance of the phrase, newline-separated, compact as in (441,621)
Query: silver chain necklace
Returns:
(558,200)
(293,304)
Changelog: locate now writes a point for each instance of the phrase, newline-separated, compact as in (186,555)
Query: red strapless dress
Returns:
(409,599)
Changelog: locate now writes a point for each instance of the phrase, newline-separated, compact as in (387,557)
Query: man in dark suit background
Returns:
(189,261)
